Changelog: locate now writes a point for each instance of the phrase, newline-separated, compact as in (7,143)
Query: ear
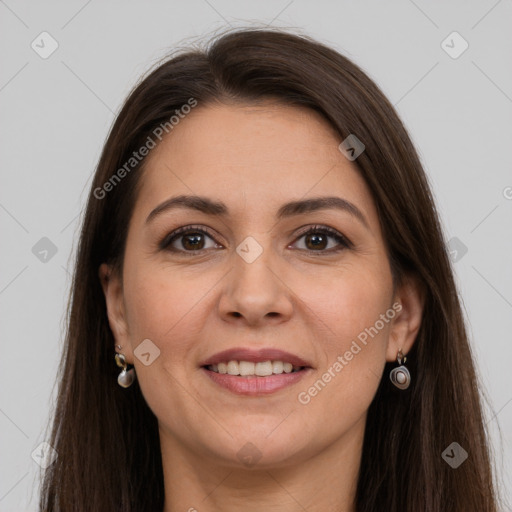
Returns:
(112,286)
(408,303)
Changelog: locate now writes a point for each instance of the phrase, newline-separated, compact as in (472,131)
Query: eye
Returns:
(192,240)
(317,239)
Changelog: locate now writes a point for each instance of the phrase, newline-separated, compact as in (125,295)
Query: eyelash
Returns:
(168,239)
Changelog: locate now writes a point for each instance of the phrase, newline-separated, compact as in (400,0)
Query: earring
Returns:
(125,378)
(400,376)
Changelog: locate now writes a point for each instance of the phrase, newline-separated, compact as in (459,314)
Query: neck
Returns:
(326,480)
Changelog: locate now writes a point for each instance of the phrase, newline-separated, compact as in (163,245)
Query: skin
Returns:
(314,304)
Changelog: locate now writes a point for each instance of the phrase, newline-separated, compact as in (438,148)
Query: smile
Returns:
(248,368)
(255,379)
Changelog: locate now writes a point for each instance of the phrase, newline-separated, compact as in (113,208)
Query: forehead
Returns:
(224,133)
(251,155)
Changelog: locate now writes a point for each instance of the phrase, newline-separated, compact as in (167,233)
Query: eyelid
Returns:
(343,241)
(332,232)
(181,231)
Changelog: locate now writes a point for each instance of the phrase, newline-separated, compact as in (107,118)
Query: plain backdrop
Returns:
(55,113)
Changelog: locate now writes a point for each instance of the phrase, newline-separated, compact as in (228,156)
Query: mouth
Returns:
(250,369)
(255,372)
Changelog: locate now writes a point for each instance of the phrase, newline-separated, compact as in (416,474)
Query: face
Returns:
(248,278)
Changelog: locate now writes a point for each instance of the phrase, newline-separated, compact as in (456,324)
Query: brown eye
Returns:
(316,239)
(186,239)
(191,239)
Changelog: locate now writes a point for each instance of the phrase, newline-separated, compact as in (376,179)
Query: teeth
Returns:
(247,368)
(277,366)
(233,368)
(262,369)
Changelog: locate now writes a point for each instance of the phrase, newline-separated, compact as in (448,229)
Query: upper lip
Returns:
(255,356)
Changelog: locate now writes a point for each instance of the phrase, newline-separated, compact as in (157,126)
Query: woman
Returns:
(261,245)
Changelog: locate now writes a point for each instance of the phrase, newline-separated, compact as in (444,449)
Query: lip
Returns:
(256,386)
(255,356)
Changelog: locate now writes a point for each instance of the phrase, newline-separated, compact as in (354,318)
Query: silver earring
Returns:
(126,377)
(400,376)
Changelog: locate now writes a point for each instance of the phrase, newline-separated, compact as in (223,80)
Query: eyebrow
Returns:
(219,209)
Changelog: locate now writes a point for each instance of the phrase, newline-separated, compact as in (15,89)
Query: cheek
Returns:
(160,304)
(348,303)
(166,310)
(354,315)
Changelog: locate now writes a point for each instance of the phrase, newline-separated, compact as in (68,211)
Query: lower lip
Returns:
(255,386)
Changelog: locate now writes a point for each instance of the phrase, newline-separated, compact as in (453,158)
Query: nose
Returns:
(256,292)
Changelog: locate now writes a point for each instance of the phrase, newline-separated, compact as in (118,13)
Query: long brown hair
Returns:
(107,438)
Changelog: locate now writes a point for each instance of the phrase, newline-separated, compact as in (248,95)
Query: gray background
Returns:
(56,112)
